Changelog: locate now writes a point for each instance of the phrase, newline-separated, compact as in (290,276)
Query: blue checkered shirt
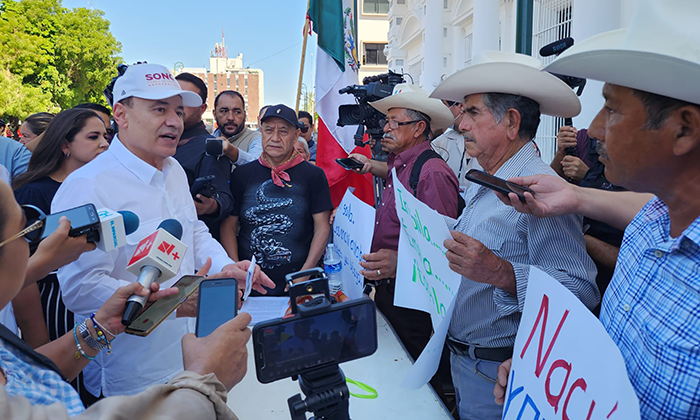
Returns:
(40,385)
(652,311)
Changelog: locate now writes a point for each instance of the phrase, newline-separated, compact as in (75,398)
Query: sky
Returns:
(269,33)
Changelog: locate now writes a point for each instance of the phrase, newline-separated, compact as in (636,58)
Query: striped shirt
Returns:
(485,316)
(652,311)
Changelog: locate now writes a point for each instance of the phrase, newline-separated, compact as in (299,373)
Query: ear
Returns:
(686,127)
(420,129)
(203,107)
(511,123)
(64,147)
(119,115)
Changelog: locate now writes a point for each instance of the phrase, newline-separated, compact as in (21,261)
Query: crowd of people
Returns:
(613,218)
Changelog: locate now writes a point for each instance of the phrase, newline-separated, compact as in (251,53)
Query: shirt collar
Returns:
(135,164)
(514,166)
(407,156)
(656,211)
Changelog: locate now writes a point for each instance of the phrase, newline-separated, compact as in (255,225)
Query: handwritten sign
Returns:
(564,363)
(424,280)
(352,237)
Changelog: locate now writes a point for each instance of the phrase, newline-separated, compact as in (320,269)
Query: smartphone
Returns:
(497,184)
(204,186)
(214,147)
(289,346)
(218,303)
(83,220)
(149,319)
(349,163)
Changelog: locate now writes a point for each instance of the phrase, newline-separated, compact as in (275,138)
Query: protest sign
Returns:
(564,363)
(424,280)
(352,236)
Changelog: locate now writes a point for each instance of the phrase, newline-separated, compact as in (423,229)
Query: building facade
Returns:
(229,74)
(372,29)
(432,39)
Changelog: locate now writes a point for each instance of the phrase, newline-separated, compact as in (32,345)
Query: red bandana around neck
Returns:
(278,172)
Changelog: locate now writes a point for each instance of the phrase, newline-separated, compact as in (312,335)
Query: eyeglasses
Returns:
(393,124)
(34,227)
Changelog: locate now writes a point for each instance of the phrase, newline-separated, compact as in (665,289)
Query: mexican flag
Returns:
(336,67)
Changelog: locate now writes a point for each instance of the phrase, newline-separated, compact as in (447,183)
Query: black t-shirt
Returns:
(277,223)
(39,193)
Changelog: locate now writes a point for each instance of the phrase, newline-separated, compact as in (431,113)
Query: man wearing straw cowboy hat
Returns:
(493,246)
(410,117)
(650,143)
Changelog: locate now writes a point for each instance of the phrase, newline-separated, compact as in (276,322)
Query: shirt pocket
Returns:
(491,234)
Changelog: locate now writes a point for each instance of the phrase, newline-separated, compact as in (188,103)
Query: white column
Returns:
(457,48)
(591,17)
(487,16)
(433,46)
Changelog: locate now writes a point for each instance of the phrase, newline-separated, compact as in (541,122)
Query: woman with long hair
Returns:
(33,127)
(72,139)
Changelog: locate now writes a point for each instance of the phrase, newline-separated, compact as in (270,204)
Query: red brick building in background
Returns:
(229,74)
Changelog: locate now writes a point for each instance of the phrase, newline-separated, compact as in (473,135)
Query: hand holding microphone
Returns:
(157,258)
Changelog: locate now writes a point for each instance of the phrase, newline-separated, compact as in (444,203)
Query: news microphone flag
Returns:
(114,227)
(162,250)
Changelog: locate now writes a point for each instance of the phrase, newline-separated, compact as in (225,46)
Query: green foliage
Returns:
(51,57)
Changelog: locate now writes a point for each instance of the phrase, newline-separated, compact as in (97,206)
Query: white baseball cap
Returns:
(152,81)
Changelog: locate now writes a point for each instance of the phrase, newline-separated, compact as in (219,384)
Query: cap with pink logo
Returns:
(153,82)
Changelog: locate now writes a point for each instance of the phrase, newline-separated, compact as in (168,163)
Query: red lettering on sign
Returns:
(166,247)
(580,383)
(176,256)
(553,400)
(543,314)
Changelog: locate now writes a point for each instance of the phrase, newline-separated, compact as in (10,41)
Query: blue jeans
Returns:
(474,380)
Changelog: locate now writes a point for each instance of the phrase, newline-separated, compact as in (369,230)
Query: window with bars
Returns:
(552,21)
(468,50)
(373,54)
(379,7)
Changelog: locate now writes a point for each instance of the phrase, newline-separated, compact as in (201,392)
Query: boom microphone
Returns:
(157,258)
(556,47)
(114,227)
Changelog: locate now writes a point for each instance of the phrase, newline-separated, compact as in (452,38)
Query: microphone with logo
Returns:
(157,258)
(114,227)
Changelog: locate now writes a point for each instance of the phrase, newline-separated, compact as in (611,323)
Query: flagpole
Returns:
(303,55)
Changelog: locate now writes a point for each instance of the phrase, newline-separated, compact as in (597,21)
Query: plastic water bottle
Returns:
(332,266)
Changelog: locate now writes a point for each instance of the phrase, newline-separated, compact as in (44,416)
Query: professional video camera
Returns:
(309,346)
(373,88)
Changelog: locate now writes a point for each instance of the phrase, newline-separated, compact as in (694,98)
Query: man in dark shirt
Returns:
(196,163)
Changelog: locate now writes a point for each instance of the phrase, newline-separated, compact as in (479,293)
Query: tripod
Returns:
(326,395)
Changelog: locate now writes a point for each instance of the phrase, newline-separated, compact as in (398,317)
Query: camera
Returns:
(363,114)
(309,345)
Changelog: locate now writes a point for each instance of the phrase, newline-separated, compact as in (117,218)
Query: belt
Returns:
(497,354)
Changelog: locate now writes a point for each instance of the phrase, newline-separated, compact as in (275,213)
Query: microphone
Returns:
(157,258)
(113,228)
(214,147)
(556,47)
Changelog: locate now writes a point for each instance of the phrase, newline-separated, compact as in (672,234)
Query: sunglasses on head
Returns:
(34,228)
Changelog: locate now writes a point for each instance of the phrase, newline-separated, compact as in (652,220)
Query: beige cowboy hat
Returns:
(516,74)
(412,97)
(658,53)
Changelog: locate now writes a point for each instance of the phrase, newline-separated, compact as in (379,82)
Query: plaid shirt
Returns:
(652,311)
(41,386)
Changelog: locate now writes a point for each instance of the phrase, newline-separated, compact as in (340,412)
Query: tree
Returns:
(51,57)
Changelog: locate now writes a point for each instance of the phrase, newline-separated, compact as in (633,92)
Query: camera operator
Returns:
(241,144)
(138,173)
(33,383)
(410,116)
(196,163)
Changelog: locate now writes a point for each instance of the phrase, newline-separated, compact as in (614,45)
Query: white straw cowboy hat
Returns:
(412,97)
(658,53)
(516,74)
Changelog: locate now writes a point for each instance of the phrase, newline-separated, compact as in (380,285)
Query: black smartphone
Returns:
(214,147)
(349,163)
(204,186)
(497,184)
(288,346)
(150,318)
(83,220)
(218,303)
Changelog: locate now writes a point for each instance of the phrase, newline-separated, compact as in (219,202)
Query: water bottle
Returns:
(332,266)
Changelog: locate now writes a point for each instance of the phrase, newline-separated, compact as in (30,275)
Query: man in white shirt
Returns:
(137,173)
(450,146)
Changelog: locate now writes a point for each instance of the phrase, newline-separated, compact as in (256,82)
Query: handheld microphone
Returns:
(157,258)
(214,147)
(114,227)
(556,47)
